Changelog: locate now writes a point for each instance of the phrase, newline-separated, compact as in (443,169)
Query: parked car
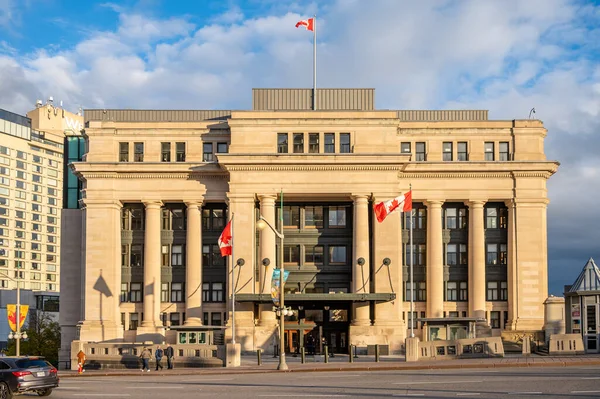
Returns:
(19,375)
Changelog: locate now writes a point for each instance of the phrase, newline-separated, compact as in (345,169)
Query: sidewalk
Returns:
(362,363)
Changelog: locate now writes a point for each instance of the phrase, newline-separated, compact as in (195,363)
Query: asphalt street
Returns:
(561,382)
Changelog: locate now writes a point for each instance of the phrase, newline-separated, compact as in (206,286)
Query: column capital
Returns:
(102,203)
(360,197)
(267,198)
(476,203)
(509,203)
(150,204)
(193,203)
(434,203)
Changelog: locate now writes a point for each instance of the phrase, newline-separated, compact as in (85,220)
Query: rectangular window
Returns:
(177,255)
(222,148)
(21,165)
(38,169)
(337,254)
(217,292)
(489,151)
(291,254)
(164,255)
(298,143)
(463,291)
(176,292)
(337,216)
(313,143)
(492,254)
(133,321)
(503,149)
(450,218)
(451,291)
(21,155)
(180,151)
(313,255)
(291,216)
(447,151)
(313,217)
(138,152)
(123,152)
(205,292)
(178,219)
(37,159)
(4,150)
(503,291)
(282,143)
(207,152)
(215,319)
(405,148)
(345,143)
(420,155)
(461,151)
(174,319)
(23,175)
(451,255)
(135,292)
(20,184)
(125,255)
(463,259)
(503,254)
(495,319)
(165,152)
(137,251)
(491,218)
(329,143)
(462,218)
(503,218)
(492,291)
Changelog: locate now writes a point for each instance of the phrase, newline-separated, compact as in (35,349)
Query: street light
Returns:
(17,335)
(281,311)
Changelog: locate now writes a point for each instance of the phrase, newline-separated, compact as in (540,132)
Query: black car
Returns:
(26,374)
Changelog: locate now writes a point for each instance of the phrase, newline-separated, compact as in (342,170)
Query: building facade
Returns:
(159,186)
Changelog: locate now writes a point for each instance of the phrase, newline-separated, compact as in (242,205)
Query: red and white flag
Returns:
(225,240)
(309,24)
(382,209)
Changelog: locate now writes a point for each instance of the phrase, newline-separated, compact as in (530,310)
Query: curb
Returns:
(358,368)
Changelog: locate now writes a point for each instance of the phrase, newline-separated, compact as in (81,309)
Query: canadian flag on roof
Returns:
(309,24)
(225,240)
(382,209)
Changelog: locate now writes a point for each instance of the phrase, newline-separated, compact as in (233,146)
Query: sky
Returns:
(507,56)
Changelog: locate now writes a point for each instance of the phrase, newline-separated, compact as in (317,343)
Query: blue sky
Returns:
(507,56)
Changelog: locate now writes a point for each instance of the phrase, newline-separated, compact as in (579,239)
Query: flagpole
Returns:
(232,284)
(412,322)
(315,63)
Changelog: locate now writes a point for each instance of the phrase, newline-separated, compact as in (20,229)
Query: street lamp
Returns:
(17,335)
(281,310)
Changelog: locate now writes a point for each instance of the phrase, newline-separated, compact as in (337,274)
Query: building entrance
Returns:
(590,328)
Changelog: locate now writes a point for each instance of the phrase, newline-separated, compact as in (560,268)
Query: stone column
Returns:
(152,280)
(477,285)
(510,268)
(435,260)
(193,265)
(360,273)
(267,251)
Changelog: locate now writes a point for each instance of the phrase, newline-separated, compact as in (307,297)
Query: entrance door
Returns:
(590,332)
(292,343)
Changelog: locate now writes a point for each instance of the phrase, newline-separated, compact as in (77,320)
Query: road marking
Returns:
(102,394)
(155,387)
(524,393)
(329,376)
(212,379)
(468,394)
(408,394)
(590,378)
(433,382)
(304,396)
(585,391)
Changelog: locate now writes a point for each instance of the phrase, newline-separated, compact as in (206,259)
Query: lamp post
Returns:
(261,224)
(17,335)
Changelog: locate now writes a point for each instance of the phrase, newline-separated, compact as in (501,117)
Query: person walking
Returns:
(158,355)
(169,353)
(80,361)
(146,356)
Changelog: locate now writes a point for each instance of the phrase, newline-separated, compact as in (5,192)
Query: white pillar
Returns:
(152,281)
(360,273)
(193,265)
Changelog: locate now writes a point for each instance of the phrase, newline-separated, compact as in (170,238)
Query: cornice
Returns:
(307,168)
(453,175)
(173,176)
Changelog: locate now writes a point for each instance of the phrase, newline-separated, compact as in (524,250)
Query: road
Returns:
(563,382)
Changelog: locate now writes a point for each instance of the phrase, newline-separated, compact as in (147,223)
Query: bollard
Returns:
(258,353)
(326,354)
(302,355)
(377,353)
(350,358)
(275,350)
(355,352)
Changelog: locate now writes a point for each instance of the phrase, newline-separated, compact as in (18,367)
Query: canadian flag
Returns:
(309,24)
(225,239)
(382,209)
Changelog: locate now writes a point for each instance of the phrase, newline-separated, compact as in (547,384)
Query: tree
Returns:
(43,338)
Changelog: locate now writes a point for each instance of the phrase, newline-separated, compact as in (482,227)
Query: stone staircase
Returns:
(483,330)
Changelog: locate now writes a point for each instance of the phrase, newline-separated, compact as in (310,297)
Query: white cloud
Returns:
(504,55)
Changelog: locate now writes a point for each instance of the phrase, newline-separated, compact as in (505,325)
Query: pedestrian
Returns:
(169,353)
(80,362)
(158,355)
(146,356)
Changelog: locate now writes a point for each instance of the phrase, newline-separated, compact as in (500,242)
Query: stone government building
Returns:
(141,256)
